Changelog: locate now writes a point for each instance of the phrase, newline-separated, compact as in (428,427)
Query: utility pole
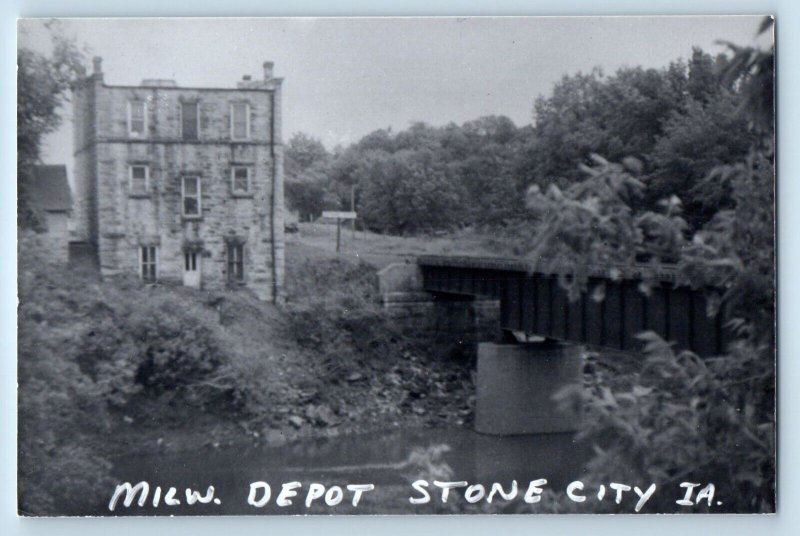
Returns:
(353,208)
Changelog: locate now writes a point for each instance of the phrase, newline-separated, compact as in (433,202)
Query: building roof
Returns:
(49,190)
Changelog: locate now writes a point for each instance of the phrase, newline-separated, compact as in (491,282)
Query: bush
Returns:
(334,311)
(61,410)
(91,351)
(159,344)
(679,416)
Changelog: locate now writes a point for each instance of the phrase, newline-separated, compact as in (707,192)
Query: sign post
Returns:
(339,216)
(353,209)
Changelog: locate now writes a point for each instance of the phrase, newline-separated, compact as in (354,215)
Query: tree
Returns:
(408,192)
(459,174)
(678,416)
(302,152)
(309,193)
(679,122)
(43,84)
(702,80)
(308,188)
(696,141)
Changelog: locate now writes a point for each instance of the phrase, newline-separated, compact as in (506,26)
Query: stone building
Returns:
(51,199)
(182,184)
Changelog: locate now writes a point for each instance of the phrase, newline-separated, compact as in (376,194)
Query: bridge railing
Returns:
(534,303)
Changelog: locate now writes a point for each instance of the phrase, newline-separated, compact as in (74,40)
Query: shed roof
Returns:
(49,190)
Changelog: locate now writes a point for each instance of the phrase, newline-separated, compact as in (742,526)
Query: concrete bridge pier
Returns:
(517,385)
(516,382)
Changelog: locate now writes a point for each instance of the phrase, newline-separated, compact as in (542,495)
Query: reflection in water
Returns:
(390,460)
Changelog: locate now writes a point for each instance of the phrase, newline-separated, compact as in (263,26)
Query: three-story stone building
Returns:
(182,184)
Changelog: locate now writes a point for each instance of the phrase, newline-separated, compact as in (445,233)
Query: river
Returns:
(390,461)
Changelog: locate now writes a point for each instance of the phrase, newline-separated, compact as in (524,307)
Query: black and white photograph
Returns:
(396,265)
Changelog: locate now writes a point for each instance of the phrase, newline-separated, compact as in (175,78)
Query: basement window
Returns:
(240,121)
(191,197)
(240,180)
(235,262)
(137,118)
(148,259)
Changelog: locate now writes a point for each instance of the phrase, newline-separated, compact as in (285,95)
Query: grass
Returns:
(318,240)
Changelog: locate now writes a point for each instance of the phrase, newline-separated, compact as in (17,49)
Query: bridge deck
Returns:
(534,303)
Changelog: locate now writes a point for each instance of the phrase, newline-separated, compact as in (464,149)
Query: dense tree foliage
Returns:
(680,122)
(680,417)
(432,178)
(307,182)
(43,83)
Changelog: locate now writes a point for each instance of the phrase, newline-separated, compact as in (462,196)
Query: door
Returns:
(191,269)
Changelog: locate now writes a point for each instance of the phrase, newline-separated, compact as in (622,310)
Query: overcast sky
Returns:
(347,77)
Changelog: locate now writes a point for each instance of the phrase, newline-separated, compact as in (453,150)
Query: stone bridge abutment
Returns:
(517,382)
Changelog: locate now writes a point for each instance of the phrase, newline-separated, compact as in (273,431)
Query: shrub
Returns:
(680,416)
(60,409)
(158,344)
(334,311)
(90,350)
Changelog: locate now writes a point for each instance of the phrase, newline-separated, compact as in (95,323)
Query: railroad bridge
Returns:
(516,382)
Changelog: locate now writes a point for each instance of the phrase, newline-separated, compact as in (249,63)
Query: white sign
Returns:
(338,215)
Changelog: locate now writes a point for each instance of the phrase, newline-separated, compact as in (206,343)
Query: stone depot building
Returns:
(182,184)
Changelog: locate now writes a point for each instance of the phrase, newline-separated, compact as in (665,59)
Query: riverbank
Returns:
(113,368)
(342,366)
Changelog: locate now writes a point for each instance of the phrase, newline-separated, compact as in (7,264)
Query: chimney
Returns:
(268,65)
(97,64)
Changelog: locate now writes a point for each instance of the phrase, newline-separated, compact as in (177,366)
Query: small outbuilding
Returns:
(50,196)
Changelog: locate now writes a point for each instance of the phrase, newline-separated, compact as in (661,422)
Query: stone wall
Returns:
(454,324)
(126,220)
(84,202)
(56,238)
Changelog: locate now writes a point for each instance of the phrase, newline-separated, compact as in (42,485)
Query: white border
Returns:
(788,519)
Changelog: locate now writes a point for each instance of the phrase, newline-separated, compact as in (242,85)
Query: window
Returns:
(147,260)
(235,262)
(139,179)
(137,118)
(240,121)
(189,120)
(192,202)
(190,259)
(240,179)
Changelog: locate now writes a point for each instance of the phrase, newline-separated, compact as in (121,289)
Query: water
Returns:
(390,461)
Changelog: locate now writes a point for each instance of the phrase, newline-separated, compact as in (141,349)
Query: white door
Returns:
(191,269)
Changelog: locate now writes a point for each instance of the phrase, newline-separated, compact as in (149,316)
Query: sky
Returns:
(345,77)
